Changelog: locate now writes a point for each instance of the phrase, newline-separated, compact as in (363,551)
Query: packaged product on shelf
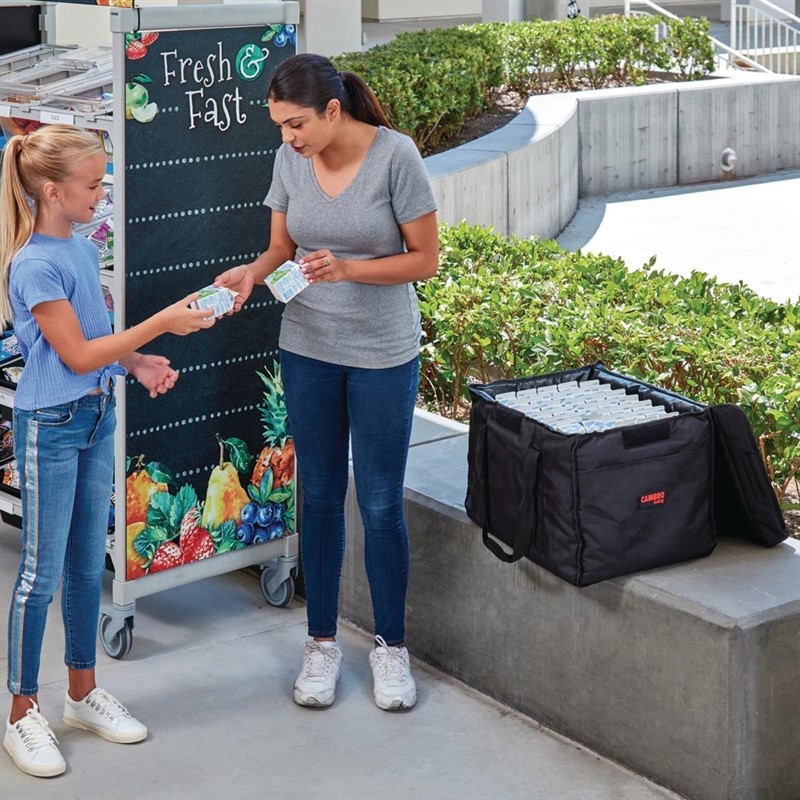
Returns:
(10,475)
(16,126)
(109,298)
(103,237)
(6,439)
(287,281)
(218,299)
(9,347)
(10,375)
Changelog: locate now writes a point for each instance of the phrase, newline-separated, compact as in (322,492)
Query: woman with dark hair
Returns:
(351,202)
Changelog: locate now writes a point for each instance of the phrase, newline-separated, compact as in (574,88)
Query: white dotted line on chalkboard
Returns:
(174,162)
(241,257)
(191,420)
(197,471)
(221,363)
(227,361)
(195,211)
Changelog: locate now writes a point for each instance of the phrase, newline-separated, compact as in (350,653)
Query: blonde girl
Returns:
(63,425)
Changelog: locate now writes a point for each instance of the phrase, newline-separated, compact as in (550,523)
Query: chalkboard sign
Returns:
(212,457)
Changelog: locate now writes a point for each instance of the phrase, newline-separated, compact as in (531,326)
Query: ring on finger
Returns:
(327,261)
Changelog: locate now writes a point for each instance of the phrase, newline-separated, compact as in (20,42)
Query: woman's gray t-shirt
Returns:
(353,324)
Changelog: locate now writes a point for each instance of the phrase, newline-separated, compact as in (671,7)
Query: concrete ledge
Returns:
(526,178)
(688,675)
(521,179)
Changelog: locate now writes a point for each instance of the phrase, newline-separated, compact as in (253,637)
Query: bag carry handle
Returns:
(522,540)
(645,434)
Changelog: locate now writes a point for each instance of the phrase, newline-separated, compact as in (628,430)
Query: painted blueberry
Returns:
(244,533)
(249,512)
(265,514)
(276,529)
(261,535)
(280,39)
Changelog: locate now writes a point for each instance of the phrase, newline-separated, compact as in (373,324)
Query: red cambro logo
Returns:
(654,498)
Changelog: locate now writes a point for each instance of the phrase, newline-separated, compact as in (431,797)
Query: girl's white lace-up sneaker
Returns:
(316,683)
(394,685)
(33,746)
(101,713)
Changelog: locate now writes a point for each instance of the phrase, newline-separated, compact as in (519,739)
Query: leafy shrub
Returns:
(509,308)
(430,82)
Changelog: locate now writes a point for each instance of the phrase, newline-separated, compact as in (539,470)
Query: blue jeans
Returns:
(65,456)
(329,404)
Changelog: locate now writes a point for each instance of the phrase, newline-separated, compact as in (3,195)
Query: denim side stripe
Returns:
(31,522)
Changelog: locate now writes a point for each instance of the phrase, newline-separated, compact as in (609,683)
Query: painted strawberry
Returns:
(167,556)
(136,50)
(148,38)
(195,542)
(198,544)
(189,524)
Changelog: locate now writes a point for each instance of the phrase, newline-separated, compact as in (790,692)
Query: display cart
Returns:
(208,468)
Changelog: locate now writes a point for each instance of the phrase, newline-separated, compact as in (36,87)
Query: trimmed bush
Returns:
(511,308)
(430,82)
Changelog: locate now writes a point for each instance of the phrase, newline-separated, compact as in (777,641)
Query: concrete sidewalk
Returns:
(743,230)
(211,672)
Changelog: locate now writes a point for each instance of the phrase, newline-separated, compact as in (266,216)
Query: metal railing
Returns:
(725,57)
(767,32)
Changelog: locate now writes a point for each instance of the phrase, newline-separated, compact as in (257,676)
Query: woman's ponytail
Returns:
(363,105)
(311,81)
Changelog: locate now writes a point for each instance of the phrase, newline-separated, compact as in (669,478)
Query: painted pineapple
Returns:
(278,454)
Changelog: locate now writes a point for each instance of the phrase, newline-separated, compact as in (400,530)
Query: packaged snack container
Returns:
(287,281)
(218,299)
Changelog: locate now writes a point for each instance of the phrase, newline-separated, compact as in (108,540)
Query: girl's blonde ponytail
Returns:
(16,219)
(49,154)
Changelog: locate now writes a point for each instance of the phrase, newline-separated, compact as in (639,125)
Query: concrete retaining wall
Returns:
(526,179)
(689,675)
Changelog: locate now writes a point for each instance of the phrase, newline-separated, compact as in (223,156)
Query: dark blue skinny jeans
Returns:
(329,405)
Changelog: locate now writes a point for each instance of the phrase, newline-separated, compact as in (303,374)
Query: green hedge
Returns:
(509,308)
(430,82)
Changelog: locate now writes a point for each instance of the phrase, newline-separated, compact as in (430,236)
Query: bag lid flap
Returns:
(744,500)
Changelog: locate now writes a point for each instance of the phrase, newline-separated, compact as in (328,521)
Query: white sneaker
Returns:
(101,713)
(394,686)
(33,746)
(316,683)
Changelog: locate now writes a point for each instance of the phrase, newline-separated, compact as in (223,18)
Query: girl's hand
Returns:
(154,373)
(182,320)
(322,265)
(238,279)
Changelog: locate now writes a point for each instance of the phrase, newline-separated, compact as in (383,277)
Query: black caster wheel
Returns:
(283,595)
(119,645)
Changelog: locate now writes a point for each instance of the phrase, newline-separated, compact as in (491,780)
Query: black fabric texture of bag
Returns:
(745,504)
(593,506)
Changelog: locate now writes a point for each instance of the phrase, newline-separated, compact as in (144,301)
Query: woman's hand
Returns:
(153,372)
(240,280)
(180,319)
(322,265)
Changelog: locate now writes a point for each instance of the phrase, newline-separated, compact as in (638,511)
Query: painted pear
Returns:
(225,497)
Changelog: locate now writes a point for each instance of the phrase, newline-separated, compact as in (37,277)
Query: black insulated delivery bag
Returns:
(593,505)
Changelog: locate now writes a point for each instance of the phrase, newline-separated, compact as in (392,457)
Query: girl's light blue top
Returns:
(47,269)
